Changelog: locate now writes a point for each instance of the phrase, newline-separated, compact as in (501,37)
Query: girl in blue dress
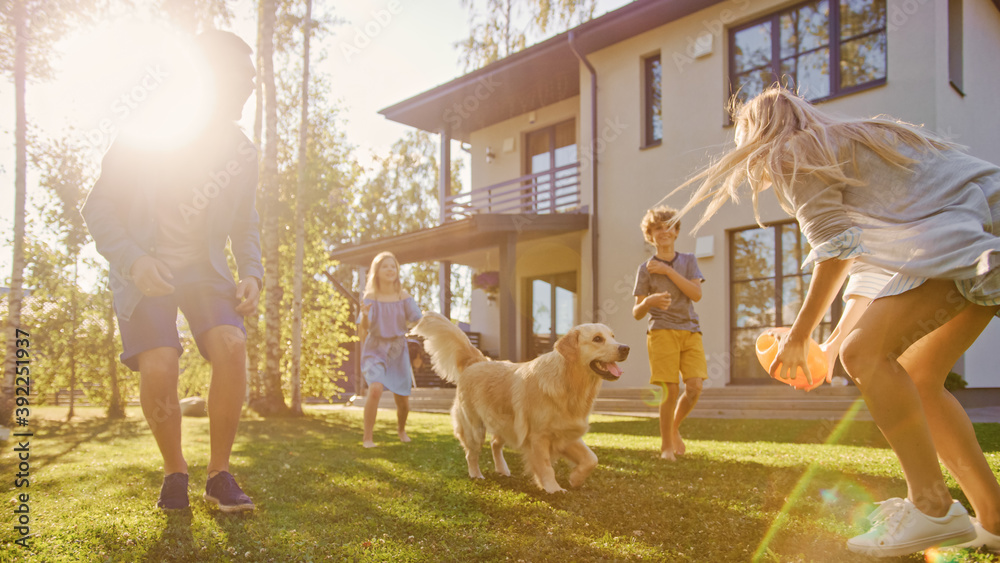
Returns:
(386,314)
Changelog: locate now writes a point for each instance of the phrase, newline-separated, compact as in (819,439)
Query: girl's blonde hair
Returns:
(372,285)
(783,136)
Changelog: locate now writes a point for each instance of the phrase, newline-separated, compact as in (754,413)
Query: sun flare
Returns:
(145,84)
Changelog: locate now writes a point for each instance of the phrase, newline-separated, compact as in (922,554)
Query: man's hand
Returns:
(248,292)
(150,275)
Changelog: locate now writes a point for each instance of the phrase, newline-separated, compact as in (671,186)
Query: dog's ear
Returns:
(569,346)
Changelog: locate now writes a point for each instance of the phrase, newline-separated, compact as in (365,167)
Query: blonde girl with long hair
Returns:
(889,195)
(387,312)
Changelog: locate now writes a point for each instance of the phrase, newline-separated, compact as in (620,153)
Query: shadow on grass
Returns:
(319,494)
(176,542)
(366,497)
(90,431)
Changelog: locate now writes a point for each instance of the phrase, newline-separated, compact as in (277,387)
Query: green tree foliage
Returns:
(47,22)
(401,196)
(31,29)
(69,328)
(499,28)
(196,16)
(70,323)
(330,171)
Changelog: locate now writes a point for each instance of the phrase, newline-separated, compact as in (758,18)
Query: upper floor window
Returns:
(822,49)
(652,101)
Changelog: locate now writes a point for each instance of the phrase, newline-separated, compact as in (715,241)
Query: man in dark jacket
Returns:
(162,216)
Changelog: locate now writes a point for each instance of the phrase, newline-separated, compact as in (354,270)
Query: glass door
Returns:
(551,149)
(552,299)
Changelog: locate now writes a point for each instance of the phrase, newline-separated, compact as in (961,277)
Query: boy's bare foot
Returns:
(403,437)
(369,443)
(679,448)
(667,455)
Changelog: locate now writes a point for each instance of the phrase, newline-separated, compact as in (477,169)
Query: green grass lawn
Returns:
(746,490)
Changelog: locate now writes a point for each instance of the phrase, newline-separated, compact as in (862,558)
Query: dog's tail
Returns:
(449,347)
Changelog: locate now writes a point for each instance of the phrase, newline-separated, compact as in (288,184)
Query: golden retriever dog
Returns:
(539,407)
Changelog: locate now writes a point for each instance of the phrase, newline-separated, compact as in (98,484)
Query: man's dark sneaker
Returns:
(223,491)
(174,492)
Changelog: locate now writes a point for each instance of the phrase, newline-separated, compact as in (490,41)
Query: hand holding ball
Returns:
(767,349)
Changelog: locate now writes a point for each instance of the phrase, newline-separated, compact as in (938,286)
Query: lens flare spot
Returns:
(653,397)
(829,496)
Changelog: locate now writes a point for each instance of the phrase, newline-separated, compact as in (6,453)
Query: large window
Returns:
(767,290)
(652,101)
(822,49)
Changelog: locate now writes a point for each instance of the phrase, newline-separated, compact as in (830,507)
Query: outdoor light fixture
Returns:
(489,155)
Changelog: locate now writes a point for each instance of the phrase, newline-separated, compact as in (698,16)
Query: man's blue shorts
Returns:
(205,297)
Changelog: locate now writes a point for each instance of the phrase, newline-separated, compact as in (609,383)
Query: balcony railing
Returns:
(551,191)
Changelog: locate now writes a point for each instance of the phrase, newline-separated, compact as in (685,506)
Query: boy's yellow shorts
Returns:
(673,353)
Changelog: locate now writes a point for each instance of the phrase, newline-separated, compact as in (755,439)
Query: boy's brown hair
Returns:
(655,216)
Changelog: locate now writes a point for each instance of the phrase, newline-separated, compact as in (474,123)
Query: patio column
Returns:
(444,175)
(444,280)
(444,190)
(508,298)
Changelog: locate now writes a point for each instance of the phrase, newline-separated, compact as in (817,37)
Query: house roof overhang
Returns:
(461,237)
(538,76)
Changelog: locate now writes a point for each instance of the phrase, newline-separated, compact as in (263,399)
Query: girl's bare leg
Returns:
(402,411)
(871,356)
(371,410)
(928,363)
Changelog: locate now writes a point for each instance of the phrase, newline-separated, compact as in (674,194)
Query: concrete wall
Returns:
(973,119)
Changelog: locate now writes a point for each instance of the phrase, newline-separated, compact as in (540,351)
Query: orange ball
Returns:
(767,349)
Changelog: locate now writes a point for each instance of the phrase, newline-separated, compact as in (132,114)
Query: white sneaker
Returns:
(899,528)
(984,540)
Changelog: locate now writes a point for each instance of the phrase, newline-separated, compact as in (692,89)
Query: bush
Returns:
(955,381)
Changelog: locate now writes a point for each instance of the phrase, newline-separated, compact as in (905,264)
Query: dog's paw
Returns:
(476,476)
(503,471)
(554,489)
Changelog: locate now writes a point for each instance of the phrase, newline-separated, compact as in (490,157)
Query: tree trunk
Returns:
(255,383)
(300,228)
(115,407)
(273,401)
(73,314)
(20,189)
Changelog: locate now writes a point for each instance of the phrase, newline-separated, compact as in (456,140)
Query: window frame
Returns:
(779,277)
(648,115)
(834,44)
(956,47)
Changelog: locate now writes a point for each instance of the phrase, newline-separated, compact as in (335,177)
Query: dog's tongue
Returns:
(614,370)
